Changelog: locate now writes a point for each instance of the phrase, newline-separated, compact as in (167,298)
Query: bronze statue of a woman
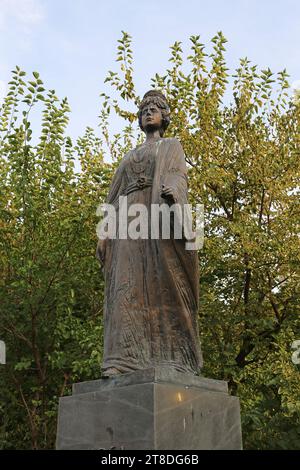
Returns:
(151,285)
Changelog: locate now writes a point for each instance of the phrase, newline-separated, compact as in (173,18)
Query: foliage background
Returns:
(243,159)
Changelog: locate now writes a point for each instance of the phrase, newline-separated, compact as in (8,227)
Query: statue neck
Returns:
(152,136)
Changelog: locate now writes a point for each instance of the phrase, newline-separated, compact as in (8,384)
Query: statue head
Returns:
(154,103)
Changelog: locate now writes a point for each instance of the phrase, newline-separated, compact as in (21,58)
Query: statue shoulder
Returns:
(126,157)
(119,168)
(173,141)
(124,160)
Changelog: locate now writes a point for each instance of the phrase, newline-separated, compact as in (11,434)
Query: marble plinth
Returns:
(156,408)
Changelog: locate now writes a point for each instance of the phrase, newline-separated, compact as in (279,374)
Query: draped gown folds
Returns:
(151,285)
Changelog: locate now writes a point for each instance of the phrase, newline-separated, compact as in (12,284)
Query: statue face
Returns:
(151,117)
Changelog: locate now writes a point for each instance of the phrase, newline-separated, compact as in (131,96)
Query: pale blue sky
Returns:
(72,43)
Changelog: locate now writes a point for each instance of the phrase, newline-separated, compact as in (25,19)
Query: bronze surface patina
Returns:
(151,285)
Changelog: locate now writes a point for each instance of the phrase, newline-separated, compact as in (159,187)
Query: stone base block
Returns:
(150,409)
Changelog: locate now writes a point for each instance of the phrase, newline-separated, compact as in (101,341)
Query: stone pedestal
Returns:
(150,409)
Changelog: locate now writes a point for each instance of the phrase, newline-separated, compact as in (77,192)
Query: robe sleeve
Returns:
(116,186)
(176,176)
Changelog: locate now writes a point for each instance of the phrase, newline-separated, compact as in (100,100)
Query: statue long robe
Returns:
(151,285)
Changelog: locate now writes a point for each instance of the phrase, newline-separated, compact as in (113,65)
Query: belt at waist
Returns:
(141,183)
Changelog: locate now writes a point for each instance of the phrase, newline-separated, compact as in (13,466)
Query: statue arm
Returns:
(175,181)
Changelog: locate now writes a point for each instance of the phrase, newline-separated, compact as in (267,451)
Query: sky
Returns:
(72,43)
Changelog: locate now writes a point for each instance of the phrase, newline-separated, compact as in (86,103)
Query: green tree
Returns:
(51,286)
(244,166)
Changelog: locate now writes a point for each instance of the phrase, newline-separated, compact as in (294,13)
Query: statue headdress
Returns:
(158,98)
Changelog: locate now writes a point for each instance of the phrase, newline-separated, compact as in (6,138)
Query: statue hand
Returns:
(169,192)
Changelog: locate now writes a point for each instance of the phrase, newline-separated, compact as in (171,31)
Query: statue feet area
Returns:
(109,373)
(157,408)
